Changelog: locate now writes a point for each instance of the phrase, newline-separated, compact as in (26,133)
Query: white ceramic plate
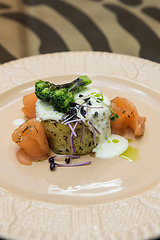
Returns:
(109,199)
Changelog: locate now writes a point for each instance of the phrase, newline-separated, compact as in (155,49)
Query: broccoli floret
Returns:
(61,100)
(60,96)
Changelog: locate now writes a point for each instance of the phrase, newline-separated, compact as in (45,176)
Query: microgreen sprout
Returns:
(73,165)
(71,137)
(67,160)
(115,115)
(99,98)
(86,118)
(83,111)
(53,164)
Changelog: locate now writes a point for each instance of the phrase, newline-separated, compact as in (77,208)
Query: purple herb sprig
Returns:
(71,117)
(53,164)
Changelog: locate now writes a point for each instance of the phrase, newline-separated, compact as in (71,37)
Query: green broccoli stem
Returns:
(79,84)
(60,96)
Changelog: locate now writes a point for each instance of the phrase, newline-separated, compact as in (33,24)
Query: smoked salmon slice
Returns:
(31,138)
(29,102)
(128,117)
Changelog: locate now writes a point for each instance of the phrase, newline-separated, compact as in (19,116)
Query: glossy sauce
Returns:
(131,154)
(111,147)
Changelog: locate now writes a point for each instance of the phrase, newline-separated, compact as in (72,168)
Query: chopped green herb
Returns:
(36,129)
(100,99)
(25,129)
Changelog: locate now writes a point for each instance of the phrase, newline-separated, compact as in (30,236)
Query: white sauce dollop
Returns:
(112,147)
(18,122)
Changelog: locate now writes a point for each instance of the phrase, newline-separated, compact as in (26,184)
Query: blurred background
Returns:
(32,27)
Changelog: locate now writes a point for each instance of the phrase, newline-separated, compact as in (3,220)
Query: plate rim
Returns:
(27,69)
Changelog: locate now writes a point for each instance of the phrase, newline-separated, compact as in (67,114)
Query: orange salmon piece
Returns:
(128,117)
(29,102)
(22,157)
(31,138)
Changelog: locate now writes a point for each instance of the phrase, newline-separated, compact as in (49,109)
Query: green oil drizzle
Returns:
(131,154)
(115,141)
